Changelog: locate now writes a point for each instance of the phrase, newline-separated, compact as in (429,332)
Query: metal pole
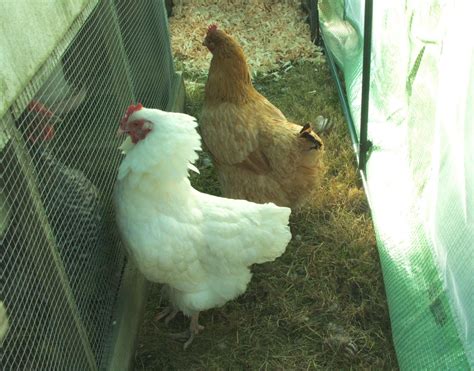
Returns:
(317,31)
(342,97)
(364,145)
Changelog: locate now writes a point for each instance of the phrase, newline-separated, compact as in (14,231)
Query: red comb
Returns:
(46,134)
(130,110)
(212,28)
(133,108)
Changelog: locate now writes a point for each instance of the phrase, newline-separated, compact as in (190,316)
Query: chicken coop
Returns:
(68,297)
(404,74)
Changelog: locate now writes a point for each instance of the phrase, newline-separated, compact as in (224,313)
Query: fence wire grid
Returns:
(61,262)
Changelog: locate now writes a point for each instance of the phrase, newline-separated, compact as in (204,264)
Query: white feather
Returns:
(200,245)
(193,168)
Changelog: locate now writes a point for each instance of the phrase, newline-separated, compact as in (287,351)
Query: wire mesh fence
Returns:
(61,262)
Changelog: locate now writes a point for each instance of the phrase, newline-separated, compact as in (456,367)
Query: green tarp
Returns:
(420,173)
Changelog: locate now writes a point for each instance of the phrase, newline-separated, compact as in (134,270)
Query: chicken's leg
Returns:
(168,312)
(189,334)
(194,329)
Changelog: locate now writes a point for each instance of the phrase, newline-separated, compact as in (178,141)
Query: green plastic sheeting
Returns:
(420,172)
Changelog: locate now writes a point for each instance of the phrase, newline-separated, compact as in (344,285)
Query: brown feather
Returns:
(313,139)
(256,162)
(259,155)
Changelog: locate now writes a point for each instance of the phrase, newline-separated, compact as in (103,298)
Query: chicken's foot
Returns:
(189,334)
(168,313)
(194,329)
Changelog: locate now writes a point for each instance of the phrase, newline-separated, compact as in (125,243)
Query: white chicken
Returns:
(200,246)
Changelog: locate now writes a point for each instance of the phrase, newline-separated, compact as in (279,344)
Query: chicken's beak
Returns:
(120,132)
(122,127)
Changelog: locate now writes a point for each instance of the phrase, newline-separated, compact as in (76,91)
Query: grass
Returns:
(322,304)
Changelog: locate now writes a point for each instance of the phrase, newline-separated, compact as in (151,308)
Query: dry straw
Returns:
(272,33)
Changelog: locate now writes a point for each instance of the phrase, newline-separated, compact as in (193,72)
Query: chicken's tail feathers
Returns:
(311,139)
(275,234)
(311,132)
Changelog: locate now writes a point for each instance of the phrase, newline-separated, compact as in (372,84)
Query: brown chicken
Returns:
(259,155)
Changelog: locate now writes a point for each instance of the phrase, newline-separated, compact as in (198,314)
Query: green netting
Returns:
(420,173)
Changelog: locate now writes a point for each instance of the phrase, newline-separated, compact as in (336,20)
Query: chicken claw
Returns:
(194,329)
(189,334)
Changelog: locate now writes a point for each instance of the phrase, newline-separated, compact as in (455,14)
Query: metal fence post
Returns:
(364,145)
